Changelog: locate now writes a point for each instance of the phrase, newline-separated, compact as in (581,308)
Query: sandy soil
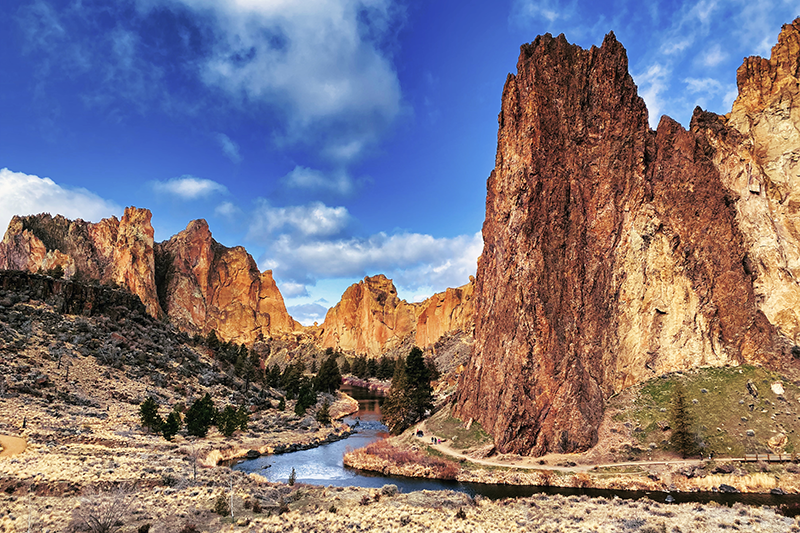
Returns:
(11,445)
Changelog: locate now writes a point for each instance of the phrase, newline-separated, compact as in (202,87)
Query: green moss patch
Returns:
(444,425)
(734,410)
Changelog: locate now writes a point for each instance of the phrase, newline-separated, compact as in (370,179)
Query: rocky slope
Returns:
(371,319)
(198,283)
(613,253)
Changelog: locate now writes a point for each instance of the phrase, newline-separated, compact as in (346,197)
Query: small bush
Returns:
(144,528)
(460,514)
(257,507)
(332,509)
(365,499)
(189,528)
(221,506)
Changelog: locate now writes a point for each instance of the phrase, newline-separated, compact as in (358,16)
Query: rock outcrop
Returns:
(613,253)
(198,283)
(206,286)
(371,319)
(111,251)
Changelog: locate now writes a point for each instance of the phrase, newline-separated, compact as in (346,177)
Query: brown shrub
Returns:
(443,468)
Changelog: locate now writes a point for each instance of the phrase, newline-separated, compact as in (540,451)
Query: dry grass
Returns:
(391,455)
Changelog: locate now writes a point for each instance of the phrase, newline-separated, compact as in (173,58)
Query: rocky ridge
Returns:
(198,283)
(371,319)
(614,253)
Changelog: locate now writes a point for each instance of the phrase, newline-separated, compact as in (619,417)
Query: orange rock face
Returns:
(198,283)
(109,251)
(371,319)
(208,286)
(613,253)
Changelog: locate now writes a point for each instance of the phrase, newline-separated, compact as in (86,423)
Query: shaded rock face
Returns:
(207,286)
(195,281)
(371,319)
(613,253)
(111,251)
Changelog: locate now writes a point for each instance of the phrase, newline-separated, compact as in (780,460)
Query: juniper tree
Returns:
(173,424)
(681,422)
(148,414)
(200,416)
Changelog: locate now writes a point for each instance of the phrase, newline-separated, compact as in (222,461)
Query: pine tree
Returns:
(410,396)
(200,416)
(328,378)
(324,414)
(396,406)
(148,414)
(681,422)
(173,424)
(346,366)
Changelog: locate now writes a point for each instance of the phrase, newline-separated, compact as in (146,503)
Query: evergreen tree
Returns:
(328,378)
(282,404)
(385,368)
(372,368)
(306,396)
(681,422)
(324,414)
(200,416)
(346,366)
(148,414)
(212,341)
(274,379)
(396,405)
(290,379)
(410,396)
(173,424)
(230,419)
(359,367)
(419,384)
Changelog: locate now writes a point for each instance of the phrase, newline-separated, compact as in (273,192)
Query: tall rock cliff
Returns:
(371,319)
(198,283)
(613,253)
(111,251)
(206,286)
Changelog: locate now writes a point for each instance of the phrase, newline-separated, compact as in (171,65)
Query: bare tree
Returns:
(102,512)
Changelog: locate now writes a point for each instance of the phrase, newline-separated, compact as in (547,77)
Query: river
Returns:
(323,466)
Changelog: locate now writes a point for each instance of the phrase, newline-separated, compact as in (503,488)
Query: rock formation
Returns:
(195,281)
(206,286)
(613,253)
(111,251)
(371,319)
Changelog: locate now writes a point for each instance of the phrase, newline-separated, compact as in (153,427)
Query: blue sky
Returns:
(333,138)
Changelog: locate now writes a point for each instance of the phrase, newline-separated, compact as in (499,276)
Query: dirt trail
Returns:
(12,445)
(531,463)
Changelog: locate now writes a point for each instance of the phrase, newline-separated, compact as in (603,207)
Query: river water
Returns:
(323,466)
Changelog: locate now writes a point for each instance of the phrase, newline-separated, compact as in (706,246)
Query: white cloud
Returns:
(315,180)
(713,56)
(538,10)
(307,314)
(229,148)
(25,194)
(189,187)
(227,210)
(413,260)
(652,83)
(322,63)
(290,289)
(314,220)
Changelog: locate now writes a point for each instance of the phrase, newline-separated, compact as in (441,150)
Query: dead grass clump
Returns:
(102,512)
(581,480)
(382,449)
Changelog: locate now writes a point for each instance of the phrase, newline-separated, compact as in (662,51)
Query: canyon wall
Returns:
(613,253)
(198,283)
(371,319)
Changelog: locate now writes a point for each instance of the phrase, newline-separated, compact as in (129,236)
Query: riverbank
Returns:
(394,457)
